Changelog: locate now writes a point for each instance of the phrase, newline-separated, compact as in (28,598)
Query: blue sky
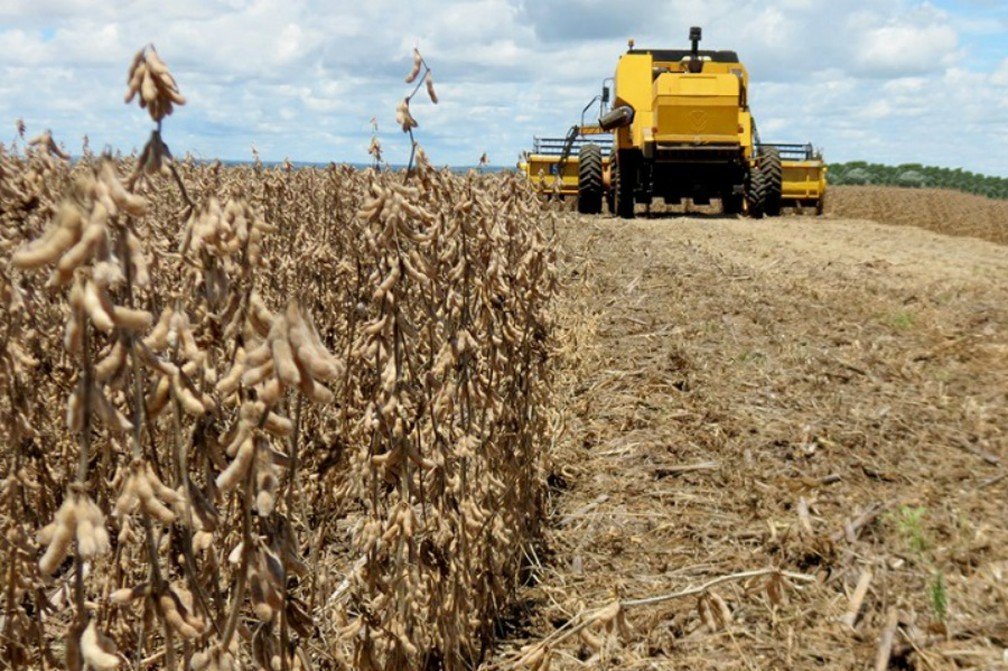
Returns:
(891,81)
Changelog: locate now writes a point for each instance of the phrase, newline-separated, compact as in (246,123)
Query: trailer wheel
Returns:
(773,173)
(590,179)
(623,188)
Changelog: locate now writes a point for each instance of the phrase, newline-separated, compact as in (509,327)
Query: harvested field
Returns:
(826,397)
(940,210)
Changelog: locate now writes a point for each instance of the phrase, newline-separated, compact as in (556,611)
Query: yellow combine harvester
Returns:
(681,128)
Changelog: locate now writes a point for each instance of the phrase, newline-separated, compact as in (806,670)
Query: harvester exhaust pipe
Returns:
(617,118)
(696,65)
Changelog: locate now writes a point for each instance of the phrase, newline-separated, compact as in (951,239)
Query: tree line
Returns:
(915,175)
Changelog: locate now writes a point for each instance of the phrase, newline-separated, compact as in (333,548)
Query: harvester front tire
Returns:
(773,175)
(622,188)
(590,179)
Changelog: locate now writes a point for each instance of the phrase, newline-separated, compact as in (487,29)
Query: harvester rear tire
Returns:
(755,195)
(590,179)
(773,175)
(622,189)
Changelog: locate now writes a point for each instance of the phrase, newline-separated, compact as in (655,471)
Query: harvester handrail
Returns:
(553,146)
(791,151)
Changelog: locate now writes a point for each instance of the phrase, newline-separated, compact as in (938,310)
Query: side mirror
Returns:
(605,95)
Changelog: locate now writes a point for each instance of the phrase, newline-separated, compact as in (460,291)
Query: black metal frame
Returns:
(677,55)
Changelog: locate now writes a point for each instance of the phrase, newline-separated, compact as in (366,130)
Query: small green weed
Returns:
(909,522)
(901,320)
(939,596)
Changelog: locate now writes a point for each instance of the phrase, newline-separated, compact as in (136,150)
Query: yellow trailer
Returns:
(803,181)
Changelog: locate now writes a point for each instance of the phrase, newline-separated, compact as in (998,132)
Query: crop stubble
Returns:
(786,394)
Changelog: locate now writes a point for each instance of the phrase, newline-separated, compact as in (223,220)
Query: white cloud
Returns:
(301,78)
(904,49)
(1000,77)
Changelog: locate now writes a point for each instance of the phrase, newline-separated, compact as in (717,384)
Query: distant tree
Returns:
(911,178)
(916,175)
(859,175)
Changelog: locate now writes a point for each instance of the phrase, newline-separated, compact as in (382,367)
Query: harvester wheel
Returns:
(755,195)
(622,189)
(590,179)
(773,174)
(820,205)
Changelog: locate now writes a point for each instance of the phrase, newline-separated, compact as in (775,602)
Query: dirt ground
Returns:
(825,397)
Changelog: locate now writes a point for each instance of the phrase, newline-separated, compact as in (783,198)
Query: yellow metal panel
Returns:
(633,87)
(541,169)
(803,180)
(710,67)
(697,139)
(669,84)
(746,137)
(696,108)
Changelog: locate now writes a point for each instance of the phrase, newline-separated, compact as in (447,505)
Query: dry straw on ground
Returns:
(744,400)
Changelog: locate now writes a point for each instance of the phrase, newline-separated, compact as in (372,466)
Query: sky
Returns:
(891,81)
